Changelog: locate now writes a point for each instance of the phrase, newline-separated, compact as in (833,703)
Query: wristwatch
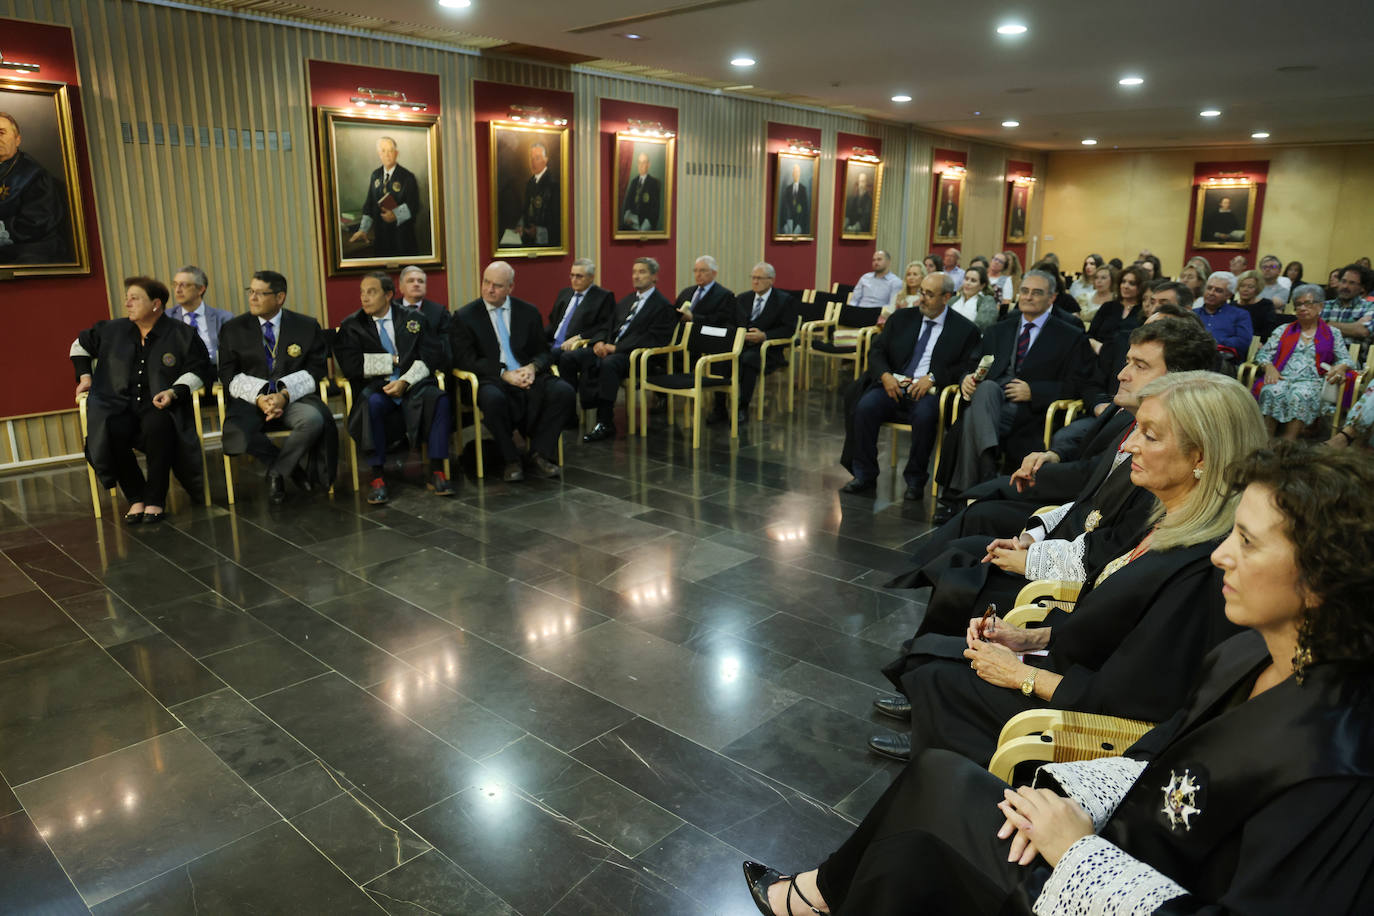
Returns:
(1028,685)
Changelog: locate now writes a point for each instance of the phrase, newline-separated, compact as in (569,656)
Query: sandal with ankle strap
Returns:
(761,877)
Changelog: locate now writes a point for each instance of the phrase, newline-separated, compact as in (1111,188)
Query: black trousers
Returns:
(539,412)
(601,380)
(152,432)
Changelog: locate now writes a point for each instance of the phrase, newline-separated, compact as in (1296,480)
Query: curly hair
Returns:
(1323,494)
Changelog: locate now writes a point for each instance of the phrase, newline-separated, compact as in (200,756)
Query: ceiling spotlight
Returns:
(1210,113)
(633,36)
(455,4)
(1011,28)
(742,62)
(1260,135)
(1088,141)
(901,98)
(1011,123)
(1130,81)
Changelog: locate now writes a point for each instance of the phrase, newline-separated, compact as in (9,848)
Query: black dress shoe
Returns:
(543,467)
(302,479)
(860,486)
(895,706)
(600,432)
(513,473)
(894,747)
(945,511)
(914,494)
(153,518)
(276,489)
(378,493)
(133,518)
(761,878)
(439,484)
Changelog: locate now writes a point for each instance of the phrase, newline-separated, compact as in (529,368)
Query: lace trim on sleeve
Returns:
(1095,878)
(375,364)
(1057,559)
(1048,520)
(417,373)
(299,384)
(246,387)
(1098,785)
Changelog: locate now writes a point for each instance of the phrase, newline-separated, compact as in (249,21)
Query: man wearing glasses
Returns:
(271,361)
(581,311)
(188,291)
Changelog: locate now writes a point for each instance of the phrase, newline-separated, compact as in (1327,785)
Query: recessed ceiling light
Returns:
(742,62)
(1130,81)
(901,98)
(1088,141)
(455,4)
(1210,113)
(1260,135)
(1011,28)
(1011,123)
(633,36)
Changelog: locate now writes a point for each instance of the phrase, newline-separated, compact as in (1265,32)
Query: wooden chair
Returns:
(846,318)
(950,402)
(1246,372)
(467,384)
(703,349)
(1071,407)
(789,346)
(113,491)
(346,387)
(814,310)
(1059,736)
(843,290)
(631,384)
(219,394)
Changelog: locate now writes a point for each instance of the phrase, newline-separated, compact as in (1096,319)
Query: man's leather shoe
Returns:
(513,473)
(543,467)
(893,747)
(600,432)
(860,486)
(945,511)
(302,480)
(439,484)
(276,488)
(895,705)
(378,494)
(914,494)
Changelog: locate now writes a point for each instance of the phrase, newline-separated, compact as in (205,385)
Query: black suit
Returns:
(393,239)
(716,308)
(592,316)
(794,205)
(437,320)
(869,406)
(541,211)
(302,350)
(540,411)
(1058,365)
(644,203)
(777,321)
(652,326)
(949,220)
(858,212)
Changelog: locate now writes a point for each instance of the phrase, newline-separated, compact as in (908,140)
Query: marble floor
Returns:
(593,696)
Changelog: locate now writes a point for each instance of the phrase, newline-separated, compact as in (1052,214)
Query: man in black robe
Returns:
(1219,225)
(706,301)
(390,206)
(412,286)
(539,217)
(141,374)
(858,207)
(794,205)
(641,210)
(32,212)
(385,351)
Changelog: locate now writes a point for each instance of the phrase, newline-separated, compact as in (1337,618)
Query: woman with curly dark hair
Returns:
(1257,798)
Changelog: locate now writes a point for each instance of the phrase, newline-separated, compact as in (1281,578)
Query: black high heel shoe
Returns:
(133,518)
(761,877)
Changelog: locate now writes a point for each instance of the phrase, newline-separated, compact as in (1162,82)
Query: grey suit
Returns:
(214,320)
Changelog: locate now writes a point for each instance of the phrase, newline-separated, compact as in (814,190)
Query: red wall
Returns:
(31,379)
(617,256)
(1258,172)
(537,279)
(852,258)
(795,262)
(942,159)
(333,86)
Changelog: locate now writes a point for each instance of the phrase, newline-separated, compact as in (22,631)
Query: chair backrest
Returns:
(708,340)
(842,290)
(812,309)
(794,293)
(853,317)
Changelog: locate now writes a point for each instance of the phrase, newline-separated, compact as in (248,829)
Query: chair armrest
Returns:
(950,400)
(469,378)
(1049,590)
(641,356)
(1058,736)
(1024,615)
(577,345)
(218,391)
(439,380)
(784,342)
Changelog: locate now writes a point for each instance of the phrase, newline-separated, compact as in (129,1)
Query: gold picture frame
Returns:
(1215,226)
(859,220)
(794,213)
(521,224)
(350,151)
(1018,212)
(949,209)
(43,113)
(649,213)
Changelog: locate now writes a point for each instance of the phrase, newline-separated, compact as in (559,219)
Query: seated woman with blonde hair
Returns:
(1256,797)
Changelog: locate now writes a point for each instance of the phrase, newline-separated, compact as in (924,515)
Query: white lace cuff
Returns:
(1098,785)
(402,213)
(299,384)
(1048,520)
(1095,878)
(190,380)
(246,387)
(375,364)
(1057,559)
(417,373)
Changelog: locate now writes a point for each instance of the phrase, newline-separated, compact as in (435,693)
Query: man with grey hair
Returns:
(32,213)
(950,261)
(879,287)
(188,291)
(1026,364)
(413,287)
(1228,323)
(580,310)
(766,314)
(706,301)
(645,318)
(390,206)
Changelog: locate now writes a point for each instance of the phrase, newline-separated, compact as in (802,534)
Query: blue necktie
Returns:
(920,350)
(701,291)
(503,336)
(758,309)
(628,318)
(562,333)
(390,346)
(269,346)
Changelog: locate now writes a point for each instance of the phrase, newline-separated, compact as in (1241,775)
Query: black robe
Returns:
(394,239)
(415,339)
(33,211)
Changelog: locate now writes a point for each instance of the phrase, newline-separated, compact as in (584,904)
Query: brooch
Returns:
(293,350)
(376,182)
(1093,520)
(413,326)
(169,360)
(395,186)
(644,198)
(1180,800)
(538,201)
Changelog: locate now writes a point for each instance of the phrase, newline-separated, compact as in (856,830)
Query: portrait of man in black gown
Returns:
(529,189)
(38,182)
(1223,216)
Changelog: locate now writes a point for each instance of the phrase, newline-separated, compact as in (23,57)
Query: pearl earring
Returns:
(1197,473)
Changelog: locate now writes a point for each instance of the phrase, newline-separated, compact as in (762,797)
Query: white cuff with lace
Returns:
(1095,878)
(1098,785)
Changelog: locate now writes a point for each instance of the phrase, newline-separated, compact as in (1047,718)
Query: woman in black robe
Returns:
(1257,798)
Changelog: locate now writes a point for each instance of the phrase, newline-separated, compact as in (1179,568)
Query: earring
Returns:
(1197,473)
(1302,657)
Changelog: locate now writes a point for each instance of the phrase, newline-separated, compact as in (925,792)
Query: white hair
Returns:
(510,271)
(412,269)
(1226,277)
(710,262)
(767,268)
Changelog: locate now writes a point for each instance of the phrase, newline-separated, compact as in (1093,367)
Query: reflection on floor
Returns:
(593,696)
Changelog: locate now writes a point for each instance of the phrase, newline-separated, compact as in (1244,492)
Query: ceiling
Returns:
(1302,73)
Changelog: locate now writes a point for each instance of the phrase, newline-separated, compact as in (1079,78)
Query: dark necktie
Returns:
(914,363)
(758,309)
(634,310)
(1023,344)
(269,347)
(696,297)
(192,320)
(562,333)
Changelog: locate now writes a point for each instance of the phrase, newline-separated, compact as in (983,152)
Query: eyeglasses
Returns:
(258,293)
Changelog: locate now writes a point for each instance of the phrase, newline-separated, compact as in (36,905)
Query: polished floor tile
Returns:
(165,669)
(31,622)
(431,884)
(262,666)
(359,836)
(106,619)
(33,882)
(256,748)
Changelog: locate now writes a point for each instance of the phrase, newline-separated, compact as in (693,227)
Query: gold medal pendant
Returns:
(4,191)
(1093,520)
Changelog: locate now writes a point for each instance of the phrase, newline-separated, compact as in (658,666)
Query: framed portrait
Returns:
(863,191)
(794,211)
(1018,213)
(529,189)
(643,186)
(949,208)
(381,178)
(1224,215)
(42,224)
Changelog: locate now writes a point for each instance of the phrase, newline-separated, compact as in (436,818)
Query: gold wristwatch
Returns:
(1028,685)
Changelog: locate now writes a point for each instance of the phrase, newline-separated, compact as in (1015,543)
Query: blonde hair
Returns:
(1013,268)
(920,266)
(1215,415)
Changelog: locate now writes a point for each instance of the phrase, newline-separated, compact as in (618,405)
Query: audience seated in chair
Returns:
(645,318)
(1296,363)
(1349,311)
(581,310)
(918,353)
(501,340)
(706,301)
(767,314)
(385,351)
(412,285)
(271,361)
(1229,324)
(188,291)
(140,375)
